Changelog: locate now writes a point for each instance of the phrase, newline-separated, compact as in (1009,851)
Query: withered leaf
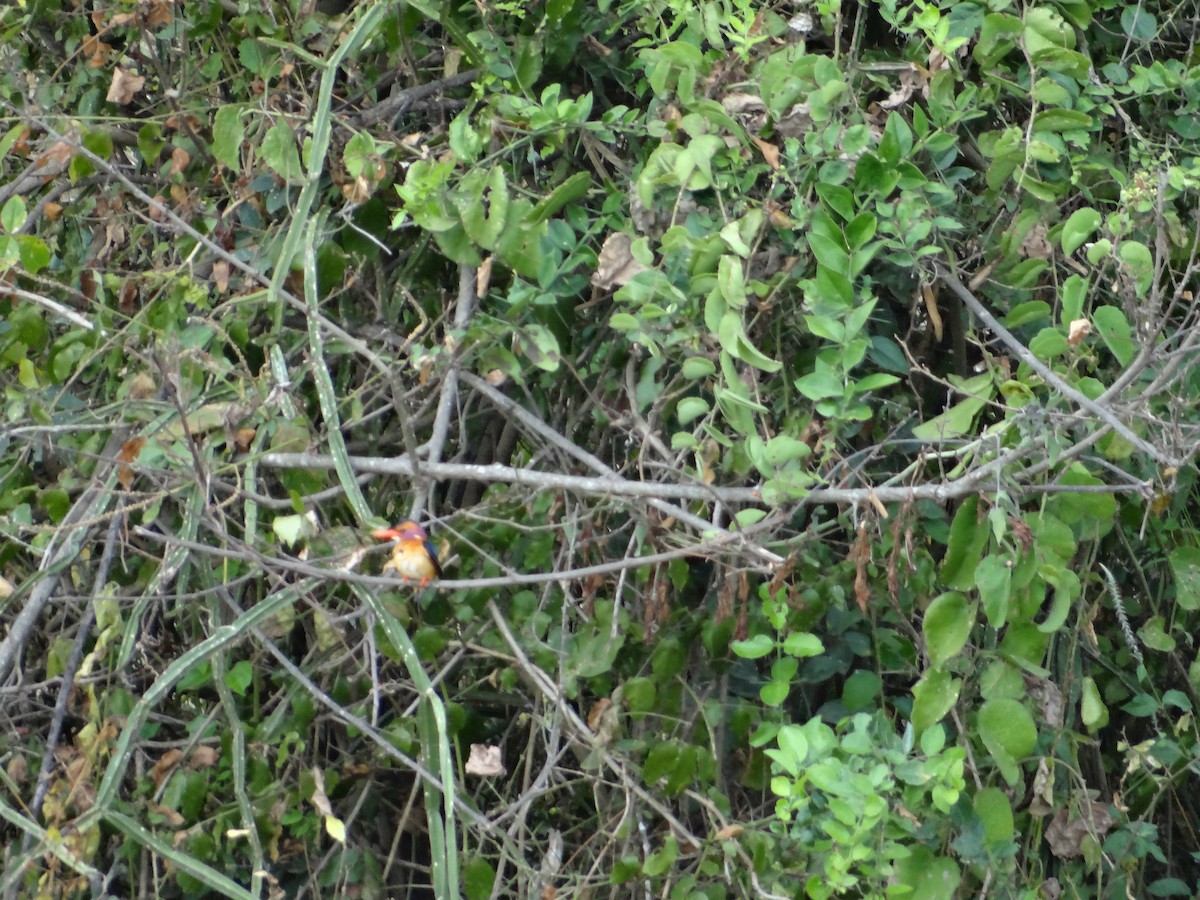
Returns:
(1078,330)
(484,761)
(128,455)
(616,265)
(123,86)
(483,278)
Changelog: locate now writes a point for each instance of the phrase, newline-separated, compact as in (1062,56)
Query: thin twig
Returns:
(1024,354)
(464,309)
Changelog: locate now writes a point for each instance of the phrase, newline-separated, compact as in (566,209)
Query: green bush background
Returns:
(802,399)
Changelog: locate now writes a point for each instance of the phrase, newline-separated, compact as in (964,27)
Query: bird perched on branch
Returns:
(413,555)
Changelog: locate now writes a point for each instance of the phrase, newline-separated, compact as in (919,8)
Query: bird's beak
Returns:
(386,534)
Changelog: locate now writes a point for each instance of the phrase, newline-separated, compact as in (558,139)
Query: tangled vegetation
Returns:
(801,399)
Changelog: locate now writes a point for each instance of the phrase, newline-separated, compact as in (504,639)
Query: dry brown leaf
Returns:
(909,81)
(18,768)
(159,14)
(203,757)
(616,265)
(931,309)
(1042,801)
(1065,835)
(165,766)
(142,386)
(1078,330)
(123,86)
(357,192)
(860,555)
(179,160)
(729,831)
(483,278)
(769,151)
(128,455)
(242,439)
(187,121)
(796,122)
(737,104)
(220,275)
(596,713)
(172,817)
(320,799)
(485,761)
(127,296)
(1035,245)
(55,159)
(96,51)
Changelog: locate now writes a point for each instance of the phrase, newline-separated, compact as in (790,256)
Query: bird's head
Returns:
(407,530)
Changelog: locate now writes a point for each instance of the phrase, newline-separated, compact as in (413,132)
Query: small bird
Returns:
(413,555)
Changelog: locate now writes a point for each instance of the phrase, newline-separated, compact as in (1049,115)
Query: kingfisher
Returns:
(413,555)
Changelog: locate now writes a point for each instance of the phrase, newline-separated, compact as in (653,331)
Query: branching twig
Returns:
(464,309)
(1023,353)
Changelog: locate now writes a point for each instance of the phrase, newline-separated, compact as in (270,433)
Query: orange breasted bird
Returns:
(413,555)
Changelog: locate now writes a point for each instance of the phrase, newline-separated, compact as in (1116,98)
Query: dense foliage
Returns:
(801,398)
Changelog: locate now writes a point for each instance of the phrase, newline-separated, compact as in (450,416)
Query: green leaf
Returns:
(1154,635)
(240,677)
(1139,262)
(573,189)
(996,816)
(483,208)
(479,877)
(959,419)
(659,862)
(783,449)
(1092,711)
(690,408)
(279,151)
(1007,729)
(822,383)
(294,528)
(1185,567)
(993,577)
(1049,343)
(228,134)
(33,253)
(539,346)
(837,198)
(661,761)
(755,647)
(828,252)
(730,280)
(792,754)
(1056,120)
(803,644)
(13,214)
(873,382)
(696,367)
(933,697)
(947,625)
(1114,330)
(968,536)
(1029,311)
(1138,23)
(1074,293)
(1078,228)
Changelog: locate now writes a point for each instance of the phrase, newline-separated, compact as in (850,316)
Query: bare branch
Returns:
(1023,353)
